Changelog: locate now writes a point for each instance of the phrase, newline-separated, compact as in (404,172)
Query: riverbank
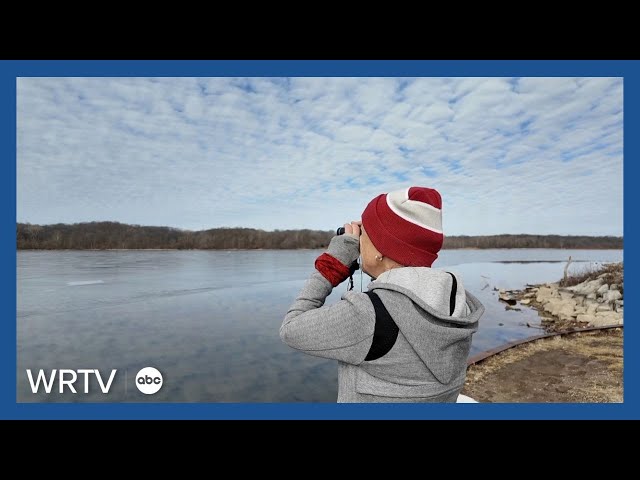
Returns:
(584,367)
(577,367)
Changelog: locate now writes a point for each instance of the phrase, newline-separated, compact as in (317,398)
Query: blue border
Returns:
(9,70)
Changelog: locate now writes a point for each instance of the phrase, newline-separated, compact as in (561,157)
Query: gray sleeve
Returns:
(343,331)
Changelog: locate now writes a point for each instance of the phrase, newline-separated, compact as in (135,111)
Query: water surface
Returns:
(209,320)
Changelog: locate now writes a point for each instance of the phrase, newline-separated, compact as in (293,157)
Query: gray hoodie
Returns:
(428,362)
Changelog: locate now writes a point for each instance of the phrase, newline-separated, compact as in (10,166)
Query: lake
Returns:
(209,320)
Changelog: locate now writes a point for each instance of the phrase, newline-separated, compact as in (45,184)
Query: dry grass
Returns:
(596,393)
(614,274)
(581,367)
(492,364)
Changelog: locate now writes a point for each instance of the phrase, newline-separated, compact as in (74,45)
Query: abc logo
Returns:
(149,380)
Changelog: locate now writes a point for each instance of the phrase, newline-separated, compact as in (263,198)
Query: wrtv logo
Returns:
(68,378)
(148,380)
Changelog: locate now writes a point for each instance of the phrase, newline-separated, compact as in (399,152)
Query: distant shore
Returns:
(120,236)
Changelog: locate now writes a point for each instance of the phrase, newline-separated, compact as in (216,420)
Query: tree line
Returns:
(532,241)
(115,235)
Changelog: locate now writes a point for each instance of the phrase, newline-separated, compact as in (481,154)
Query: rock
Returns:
(613,317)
(525,301)
(603,289)
(617,305)
(555,305)
(592,296)
(579,299)
(559,308)
(586,318)
(566,311)
(614,286)
(580,310)
(529,295)
(566,295)
(545,293)
(501,291)
(604,308)
(601,319)
(605,320)
(585,288)
(612,295)
(593,285)
(591,309)
(507,298)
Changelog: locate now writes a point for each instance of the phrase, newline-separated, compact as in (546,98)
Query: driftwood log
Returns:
(566,270)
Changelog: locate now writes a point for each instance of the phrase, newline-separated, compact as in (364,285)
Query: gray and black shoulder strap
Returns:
(386,331)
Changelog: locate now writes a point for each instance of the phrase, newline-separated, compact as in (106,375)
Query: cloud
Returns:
(509,155)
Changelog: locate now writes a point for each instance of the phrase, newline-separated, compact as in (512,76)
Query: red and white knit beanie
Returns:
(406,225)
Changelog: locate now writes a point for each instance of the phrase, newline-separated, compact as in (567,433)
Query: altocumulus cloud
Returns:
(509,155)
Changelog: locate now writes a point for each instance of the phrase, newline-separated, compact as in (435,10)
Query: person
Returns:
(408,337)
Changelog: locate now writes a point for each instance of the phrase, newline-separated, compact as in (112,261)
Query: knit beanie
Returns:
(406,225)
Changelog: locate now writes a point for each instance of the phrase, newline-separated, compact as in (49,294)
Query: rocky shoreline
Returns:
(592,303)
(584,366)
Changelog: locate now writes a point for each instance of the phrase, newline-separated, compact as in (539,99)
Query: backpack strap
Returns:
(452,298)
(385,332)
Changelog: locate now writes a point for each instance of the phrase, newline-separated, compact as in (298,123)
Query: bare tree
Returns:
(111,235)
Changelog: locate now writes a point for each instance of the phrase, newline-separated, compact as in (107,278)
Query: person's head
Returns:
(401,229)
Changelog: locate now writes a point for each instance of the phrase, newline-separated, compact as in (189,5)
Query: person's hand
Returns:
(340,260)
(353,229)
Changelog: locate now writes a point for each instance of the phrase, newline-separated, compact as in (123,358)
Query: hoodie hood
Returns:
(418,299)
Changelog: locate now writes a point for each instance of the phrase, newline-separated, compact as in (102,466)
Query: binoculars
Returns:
(340,231)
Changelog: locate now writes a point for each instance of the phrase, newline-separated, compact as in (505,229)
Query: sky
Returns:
(508,155)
